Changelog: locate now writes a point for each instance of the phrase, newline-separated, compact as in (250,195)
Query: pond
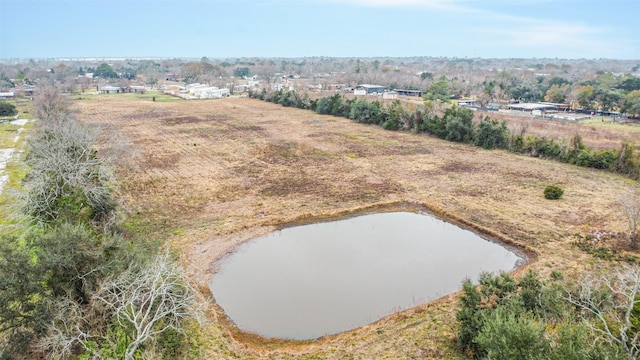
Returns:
(308,281)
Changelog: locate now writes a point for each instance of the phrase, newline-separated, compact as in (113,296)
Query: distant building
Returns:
(138,89)
(108,89)
(468,103)
(530,107)
(404,92)
(7,95)
(371,89)
(201,91)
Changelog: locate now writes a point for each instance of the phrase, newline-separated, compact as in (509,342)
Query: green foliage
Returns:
(491,134)
(65,262)
(333,105)
(586,97)
(557,93)
(24,309)
(438,90)
(558,81)
(7,109)
(553,192)
(455,125)
(395,115)
(71,258)
(426,75)
(469,317)
(507,334)
(631,103)
(241,72)
(105,71)
(114,346)
(543,147)
(128,73)
(172,344)
(527,319)
(599,159)
(366,112)
(530,291)
(458,124)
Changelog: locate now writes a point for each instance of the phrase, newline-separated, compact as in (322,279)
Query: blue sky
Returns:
(333,28)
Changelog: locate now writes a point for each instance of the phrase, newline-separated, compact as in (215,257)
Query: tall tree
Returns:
(631,103)
(105,71)
(557,93)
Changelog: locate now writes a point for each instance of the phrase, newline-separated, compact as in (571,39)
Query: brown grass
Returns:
(210,175)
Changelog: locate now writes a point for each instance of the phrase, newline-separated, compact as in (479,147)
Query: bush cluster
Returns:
(505,318)
(553,192)
(7,109)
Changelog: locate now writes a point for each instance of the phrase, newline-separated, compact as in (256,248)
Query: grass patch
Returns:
(148,96)
(15,170)
(607,123)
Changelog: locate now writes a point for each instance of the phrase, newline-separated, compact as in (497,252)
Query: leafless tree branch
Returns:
(150,300)
(610,306)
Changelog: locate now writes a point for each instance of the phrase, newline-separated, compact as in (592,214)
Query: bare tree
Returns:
(49,102)
(631,207)
(67,333)
(63,161)
(150,300)
(611,307)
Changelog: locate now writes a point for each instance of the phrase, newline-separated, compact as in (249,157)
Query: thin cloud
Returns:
(431,4)
(556,38)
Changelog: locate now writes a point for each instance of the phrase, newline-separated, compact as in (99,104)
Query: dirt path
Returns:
(212,174)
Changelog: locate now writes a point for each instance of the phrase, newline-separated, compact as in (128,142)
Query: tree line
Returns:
(456,124)
(74,283)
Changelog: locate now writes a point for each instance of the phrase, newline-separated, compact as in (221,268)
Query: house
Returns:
(201,91)
(138,89)
(404,92)
(108,89)
(7,95)
(467,103)
(530,107)
(371,89)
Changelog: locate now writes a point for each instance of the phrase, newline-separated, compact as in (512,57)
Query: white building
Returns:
(201,91)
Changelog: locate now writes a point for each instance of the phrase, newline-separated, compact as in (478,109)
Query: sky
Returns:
(568,29)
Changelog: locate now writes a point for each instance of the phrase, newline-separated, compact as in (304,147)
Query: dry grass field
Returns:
(206,176)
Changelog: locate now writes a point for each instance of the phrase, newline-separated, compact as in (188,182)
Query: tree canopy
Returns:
(105,71)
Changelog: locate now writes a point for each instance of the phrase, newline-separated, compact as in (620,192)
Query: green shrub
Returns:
(469,317)
(491,134)
(458,124)
(508,334)
(7,109)
(553,192)
(366,112)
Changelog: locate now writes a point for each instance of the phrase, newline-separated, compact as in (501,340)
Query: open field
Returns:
(208,175)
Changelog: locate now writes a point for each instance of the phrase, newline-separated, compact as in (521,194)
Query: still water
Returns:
(308,281)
